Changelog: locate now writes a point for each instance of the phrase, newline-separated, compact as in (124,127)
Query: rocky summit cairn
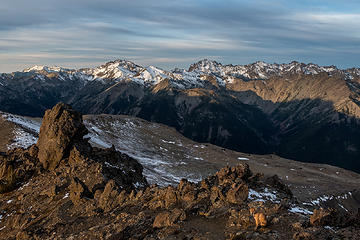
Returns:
(61,128)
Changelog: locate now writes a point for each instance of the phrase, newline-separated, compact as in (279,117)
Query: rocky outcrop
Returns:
(16,167)
(61,128)
(321,217)
(61,145)
(167,219)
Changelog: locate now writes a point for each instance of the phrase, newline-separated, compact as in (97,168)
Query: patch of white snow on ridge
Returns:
(26,123)
(243,158)
(169,142)
(34,68)
(153,75)
(263,196)
(45,68)
(25,133)
(296,209)
(111,166)
(97,141)
(321,199)
(22,139)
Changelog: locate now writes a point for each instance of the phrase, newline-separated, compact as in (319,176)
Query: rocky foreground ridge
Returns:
(62,188)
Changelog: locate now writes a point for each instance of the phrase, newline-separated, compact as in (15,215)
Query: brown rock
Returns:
(238,194)
(216,194)
(170,197)
(50,192)
(22,235)
(185,186)
(302,236)
(78,191)
(124,170)
(16,167)
(297,226)
(321,217)
(121,198)
(109,196)
(236,173)
(7,176)
(275,182)
(167,219)
(33,151)
(61,127)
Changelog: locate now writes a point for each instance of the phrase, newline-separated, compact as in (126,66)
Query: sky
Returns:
(169,34)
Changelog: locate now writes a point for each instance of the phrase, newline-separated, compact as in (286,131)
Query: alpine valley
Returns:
(299,111)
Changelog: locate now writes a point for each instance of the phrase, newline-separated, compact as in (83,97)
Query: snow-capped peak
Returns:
(38,68)
(118,69)
(152,73)
(34,68)
(196,76)
(206,65)
(259,69)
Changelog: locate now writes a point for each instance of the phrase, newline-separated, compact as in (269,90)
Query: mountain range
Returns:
(300,111)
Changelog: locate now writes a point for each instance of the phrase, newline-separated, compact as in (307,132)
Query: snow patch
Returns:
(263,196)
(95,139)
(25,131)
(26,123)
(169,142)
(321,199)
(22,139)
(329,228)
(66,196)
(340,205)
(112,166)
(296,209)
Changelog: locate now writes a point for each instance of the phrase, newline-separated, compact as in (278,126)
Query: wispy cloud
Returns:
(176,33)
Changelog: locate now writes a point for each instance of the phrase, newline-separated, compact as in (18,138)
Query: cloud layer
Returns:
(176,33)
